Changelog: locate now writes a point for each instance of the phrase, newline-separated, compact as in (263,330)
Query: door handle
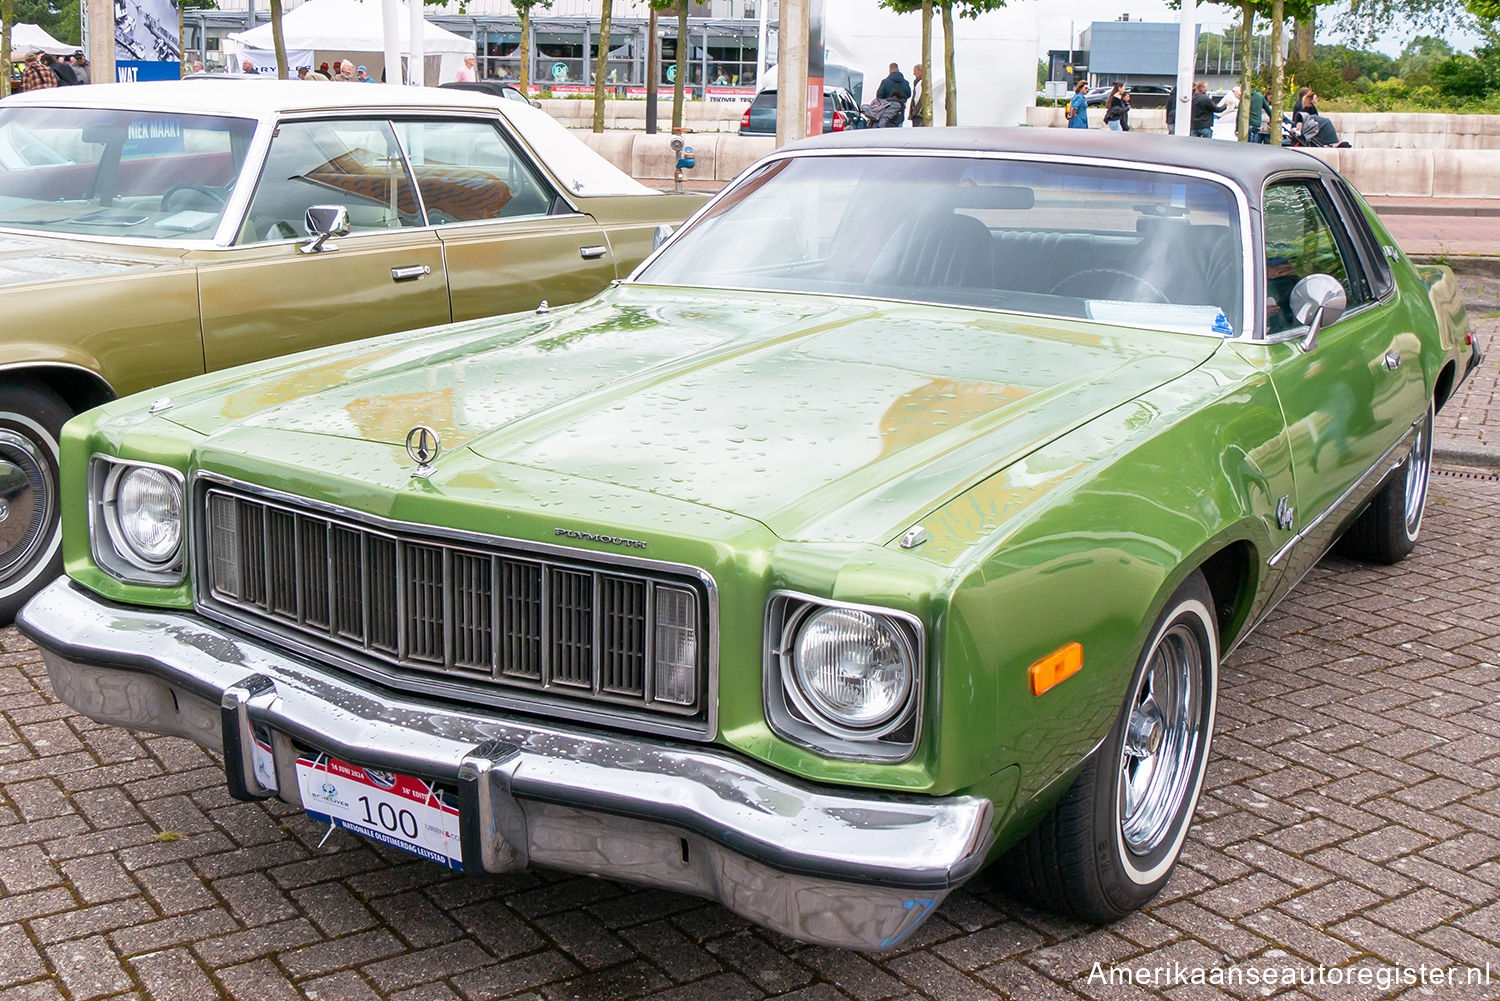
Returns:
(413,273)
(591,253)
(1393,359)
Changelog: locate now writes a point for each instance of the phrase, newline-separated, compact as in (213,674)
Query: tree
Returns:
(679,74)
(524,8)
(1485,10)
(966,8)
(1367,20)
(950,83)
(7,18)
(278,40)
(601,64)
(926,108)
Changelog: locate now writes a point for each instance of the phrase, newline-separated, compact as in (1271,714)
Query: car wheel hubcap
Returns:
(1416,478)
(25,501)
(1161,740)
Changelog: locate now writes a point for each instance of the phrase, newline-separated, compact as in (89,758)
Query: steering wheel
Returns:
(1108,283)
(201,189)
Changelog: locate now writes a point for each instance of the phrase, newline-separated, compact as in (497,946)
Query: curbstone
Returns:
(1478,265)
(1479,456)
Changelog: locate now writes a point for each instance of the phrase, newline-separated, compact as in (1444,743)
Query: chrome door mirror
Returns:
(322,222)
(660,236)
(1317,301)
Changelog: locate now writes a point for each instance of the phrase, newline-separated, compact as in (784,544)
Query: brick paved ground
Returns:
(1352,819)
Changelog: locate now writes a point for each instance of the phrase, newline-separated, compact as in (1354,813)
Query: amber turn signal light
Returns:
(1059,665)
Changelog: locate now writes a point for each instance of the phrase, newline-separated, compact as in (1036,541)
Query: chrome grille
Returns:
(485,613)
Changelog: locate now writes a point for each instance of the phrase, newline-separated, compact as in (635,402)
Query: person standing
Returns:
(895,88)
(466,72)
(1260,118)
(918,95)
(81,67)
(60,69)
(1204,110)
(36,76)
(1077,111)
(346,72)
(1117,108)
(363,75)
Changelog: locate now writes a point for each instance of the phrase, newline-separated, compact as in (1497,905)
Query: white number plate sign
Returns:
(399,810)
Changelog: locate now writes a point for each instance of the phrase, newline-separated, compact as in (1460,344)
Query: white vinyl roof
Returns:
(582,171)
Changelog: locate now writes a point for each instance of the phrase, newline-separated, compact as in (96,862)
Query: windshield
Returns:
(1118,245)
(134,175)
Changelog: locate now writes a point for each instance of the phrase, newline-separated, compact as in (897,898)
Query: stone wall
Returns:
(1376,171)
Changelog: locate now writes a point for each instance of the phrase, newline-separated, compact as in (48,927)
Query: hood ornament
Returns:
(424,446)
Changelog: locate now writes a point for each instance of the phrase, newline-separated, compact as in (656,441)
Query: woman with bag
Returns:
(1077,111)
(1117,109)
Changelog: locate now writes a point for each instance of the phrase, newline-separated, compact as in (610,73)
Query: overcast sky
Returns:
(1054,16)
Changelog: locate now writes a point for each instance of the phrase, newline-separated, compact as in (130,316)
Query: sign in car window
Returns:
(153,136)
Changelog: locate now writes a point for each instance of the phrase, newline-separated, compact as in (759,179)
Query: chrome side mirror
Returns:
(1317,301)
(660,236)
(322,222)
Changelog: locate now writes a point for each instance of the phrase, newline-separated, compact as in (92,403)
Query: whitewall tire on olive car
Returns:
(31,420)
(1387,530)
(1112,841)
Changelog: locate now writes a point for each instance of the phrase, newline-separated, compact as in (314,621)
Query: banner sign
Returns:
(731,95)
(147,46)
(134,71)
(263,61)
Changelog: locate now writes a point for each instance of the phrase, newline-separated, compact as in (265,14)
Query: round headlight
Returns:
(148,515)
(854,668)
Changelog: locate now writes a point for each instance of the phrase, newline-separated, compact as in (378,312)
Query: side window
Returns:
(467,171)
(1376,267)
(1302,240)
(356,164)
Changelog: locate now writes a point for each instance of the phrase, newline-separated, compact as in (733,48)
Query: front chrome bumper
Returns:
(832,866)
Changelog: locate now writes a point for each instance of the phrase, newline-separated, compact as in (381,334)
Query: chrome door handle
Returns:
(1393,359)
(591,253)
(412,273)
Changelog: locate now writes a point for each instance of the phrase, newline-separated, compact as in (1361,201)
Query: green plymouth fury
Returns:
(153,231)
(892,519)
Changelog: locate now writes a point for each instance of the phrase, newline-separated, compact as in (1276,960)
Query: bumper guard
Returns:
(832,866)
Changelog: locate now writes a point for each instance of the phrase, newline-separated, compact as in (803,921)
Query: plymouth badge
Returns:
(424,446)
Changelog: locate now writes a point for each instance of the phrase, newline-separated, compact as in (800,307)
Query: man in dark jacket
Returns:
(895,88)
(60,69)
(1204,110)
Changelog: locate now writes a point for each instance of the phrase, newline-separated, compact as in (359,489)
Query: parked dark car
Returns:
(494,88)
(840,113)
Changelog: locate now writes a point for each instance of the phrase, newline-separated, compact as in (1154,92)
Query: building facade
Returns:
(722,41)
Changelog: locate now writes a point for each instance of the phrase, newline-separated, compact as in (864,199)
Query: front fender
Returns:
(1105,523)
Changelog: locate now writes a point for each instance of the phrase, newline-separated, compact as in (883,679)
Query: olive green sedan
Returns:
(154,231)
(894,519)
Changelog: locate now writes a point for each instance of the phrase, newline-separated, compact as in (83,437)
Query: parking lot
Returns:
(1348,845)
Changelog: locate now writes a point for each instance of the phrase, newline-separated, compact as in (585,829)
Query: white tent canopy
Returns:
(354,28)
(26,38)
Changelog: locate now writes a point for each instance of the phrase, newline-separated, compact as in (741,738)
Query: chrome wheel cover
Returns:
(1159,755)
(27,504)
(1418,467)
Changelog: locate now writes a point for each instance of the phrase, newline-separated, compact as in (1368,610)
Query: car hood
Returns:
(30,259)
(823,419)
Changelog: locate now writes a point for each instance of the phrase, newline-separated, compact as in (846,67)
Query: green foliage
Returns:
(1041,73)
(1460,76)
(1484,10)
(48,17)
(1368,20)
